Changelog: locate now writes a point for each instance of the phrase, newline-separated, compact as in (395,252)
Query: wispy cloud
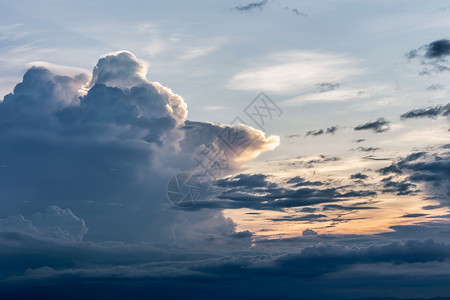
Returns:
(252,6)
(296,71)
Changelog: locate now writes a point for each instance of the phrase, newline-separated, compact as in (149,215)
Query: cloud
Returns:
(380,125)
(414,215)
(327,86)
(432,56)
(329,130)
(299,13)
(429,169)
(315,132)
(299,71)
(435,87)
(332,129)
(105,148)
(56,223)
(438,49)
(46,268)
(309,232)
(427,112)
(367,149)
(358,176)
(346,208)
(252,6)
(400,188)
(258,192)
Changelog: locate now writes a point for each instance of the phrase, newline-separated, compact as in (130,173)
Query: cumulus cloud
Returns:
(56,223)
(106,147)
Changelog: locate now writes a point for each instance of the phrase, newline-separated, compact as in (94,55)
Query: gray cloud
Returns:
(106,150)
(55,223)
(327,86)
(315,132)
(435,87)
(427,112)
(380,125)
(432,56)
(252,6)
(358,176)
(367,149)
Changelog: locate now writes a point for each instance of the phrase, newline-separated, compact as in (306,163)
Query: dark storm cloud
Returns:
(252,6)
(47,269)
(380,125)
(427,112)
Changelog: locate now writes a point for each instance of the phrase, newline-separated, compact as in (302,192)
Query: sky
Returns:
(225,149)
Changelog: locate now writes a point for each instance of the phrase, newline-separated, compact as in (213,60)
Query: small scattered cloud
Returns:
(327,86)
(329,130)
(251,6)
(359,176)
(367,149)
(427,112)
(432,56)
(315,132)
(380,125)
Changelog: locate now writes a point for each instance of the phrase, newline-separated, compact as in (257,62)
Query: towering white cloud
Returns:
(106,148)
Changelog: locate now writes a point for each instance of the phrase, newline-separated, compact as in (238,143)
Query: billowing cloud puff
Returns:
(55,223)
(106,147)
